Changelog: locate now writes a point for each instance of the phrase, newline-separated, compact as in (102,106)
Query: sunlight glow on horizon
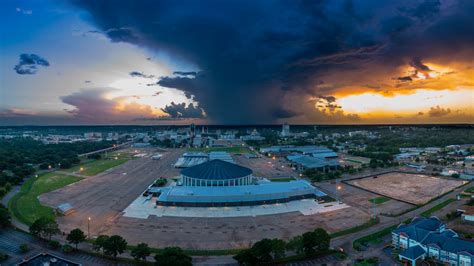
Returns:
(418,100)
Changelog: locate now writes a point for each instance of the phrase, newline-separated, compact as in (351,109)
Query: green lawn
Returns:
(469,190)
(373,238)
(435,208)
(354,229)
(236,149)
(94,167)
(379,200)
(285,179)
(25,205)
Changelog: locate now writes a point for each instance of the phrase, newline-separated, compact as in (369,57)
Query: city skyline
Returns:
(239,62)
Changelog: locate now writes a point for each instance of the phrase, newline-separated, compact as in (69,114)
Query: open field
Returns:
(104,197)
(94,167)
(266,167)
(25,205)
(413,188)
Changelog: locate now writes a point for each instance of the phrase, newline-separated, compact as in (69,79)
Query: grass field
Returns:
(469,190)
(379,200)
(373,238)
(437,207)
(25,205)
(236,149)
(96,166)
(354,229)
(285,179)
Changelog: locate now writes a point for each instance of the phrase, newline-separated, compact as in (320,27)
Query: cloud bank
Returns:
(266,61)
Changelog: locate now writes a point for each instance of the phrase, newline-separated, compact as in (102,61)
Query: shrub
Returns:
(66,249)
(3,256)
(54,245)
(24,248)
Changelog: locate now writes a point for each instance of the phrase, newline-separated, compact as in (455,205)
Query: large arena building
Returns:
(220,183)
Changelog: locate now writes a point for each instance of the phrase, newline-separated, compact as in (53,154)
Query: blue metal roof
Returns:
(216,170)
(311,162)
(413,253)
(261,191)
(419,228)
(324,155)
(451,244)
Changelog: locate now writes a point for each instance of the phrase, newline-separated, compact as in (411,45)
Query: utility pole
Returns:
(88,227)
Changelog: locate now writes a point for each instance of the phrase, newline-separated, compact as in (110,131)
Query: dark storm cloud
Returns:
(256,58)
(122,35)
(141,75)
(183,73)
(405,78)
(180,110)
(28,64)
(418,65)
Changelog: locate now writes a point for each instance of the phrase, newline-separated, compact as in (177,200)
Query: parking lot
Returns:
(105,196)
(266,167)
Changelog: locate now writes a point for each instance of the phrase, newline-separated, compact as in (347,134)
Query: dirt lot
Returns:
(360,198)
(266,167)
(105,196)
(413,188)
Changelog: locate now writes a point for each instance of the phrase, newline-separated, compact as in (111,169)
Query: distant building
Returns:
(285,130)
(428,237)
(303,162)
(467,213)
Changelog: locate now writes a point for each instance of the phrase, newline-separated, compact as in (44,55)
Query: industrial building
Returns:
(220,183)
(303,162)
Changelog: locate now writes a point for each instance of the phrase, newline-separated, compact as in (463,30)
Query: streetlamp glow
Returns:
(88,227)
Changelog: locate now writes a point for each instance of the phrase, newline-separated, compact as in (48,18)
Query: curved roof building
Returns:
(216,173)
(219,183)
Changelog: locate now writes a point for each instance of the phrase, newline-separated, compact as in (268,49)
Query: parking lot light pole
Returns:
(88,227)
(338,187)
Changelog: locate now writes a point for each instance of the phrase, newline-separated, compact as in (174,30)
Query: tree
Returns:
(173,256)
(296,244)
(324,239)
(99,242)
(141,251)
(263,251)
(246,257)
(44,227)
(316,241)
(5,219)
(114,245)
(76,236)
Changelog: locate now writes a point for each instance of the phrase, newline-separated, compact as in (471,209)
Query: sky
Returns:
(78,62)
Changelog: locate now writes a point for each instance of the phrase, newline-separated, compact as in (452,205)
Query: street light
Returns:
(88,227)
(81,169)
(338,187)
